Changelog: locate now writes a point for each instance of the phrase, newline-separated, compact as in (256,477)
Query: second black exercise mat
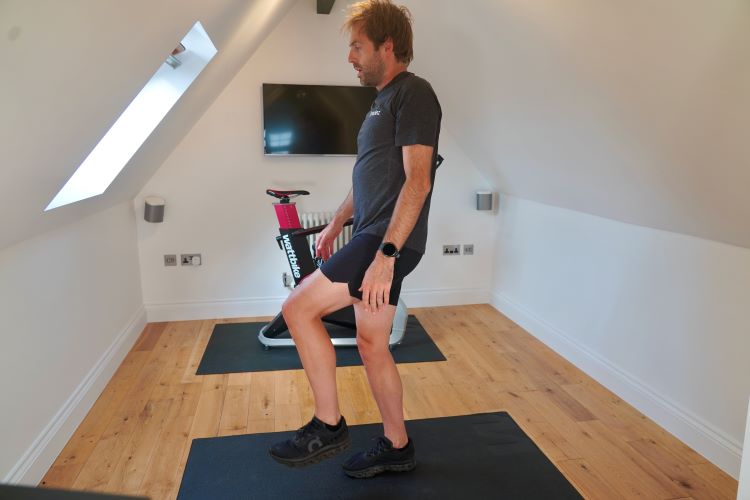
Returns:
(467,457)
(234,347)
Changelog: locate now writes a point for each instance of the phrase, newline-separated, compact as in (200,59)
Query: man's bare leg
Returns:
(373,332)
(312,299)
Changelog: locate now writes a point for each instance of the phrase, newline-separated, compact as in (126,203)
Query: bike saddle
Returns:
(285,194)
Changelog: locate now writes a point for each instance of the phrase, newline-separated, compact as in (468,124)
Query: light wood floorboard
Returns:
(136,438)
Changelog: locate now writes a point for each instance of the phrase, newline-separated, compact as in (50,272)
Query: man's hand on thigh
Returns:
(374,328)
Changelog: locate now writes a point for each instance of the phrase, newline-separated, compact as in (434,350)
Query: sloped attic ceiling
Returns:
(69,70)
(636,111)
(633,110)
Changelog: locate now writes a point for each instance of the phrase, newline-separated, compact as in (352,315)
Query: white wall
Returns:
(71,308)
(660,318)
(636,111)
(744,486)
(214,185)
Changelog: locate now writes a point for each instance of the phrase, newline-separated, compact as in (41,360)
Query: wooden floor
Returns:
(136,437)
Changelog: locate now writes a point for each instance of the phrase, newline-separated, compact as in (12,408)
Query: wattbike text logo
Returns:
(292,256)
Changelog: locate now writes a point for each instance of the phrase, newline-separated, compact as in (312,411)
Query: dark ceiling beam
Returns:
(325,6)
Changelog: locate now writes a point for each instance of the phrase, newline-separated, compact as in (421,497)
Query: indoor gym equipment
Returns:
(293,240)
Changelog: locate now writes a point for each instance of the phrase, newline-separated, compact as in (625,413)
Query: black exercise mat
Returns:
(467,457)
(234,347)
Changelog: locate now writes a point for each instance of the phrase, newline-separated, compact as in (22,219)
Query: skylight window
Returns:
(139,119)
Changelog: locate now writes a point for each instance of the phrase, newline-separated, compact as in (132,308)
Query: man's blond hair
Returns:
(380,20)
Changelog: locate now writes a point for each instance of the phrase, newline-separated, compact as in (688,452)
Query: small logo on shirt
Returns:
(374,112)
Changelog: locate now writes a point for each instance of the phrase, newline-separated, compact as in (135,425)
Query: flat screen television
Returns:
(313,119)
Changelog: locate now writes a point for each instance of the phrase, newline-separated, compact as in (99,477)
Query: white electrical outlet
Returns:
(191,259)
(451,249)
(286,279)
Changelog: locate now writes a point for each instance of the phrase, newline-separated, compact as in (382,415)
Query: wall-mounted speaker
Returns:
(484,200)
(154,210)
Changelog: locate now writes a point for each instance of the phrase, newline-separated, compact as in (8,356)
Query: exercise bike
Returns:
(292,239)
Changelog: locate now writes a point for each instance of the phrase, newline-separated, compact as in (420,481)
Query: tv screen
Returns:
(313,119)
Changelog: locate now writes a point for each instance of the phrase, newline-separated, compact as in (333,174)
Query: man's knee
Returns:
(294,307)
(301,304)
(287,308)
(371,347)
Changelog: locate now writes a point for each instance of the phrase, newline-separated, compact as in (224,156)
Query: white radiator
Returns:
(312,219)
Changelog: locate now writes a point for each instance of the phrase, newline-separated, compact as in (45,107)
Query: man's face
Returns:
(367,61)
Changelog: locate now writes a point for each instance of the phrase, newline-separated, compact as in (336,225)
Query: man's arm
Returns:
(324,242)
(345,211)
(418,170)
(376,285)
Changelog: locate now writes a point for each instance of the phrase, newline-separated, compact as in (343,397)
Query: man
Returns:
(389,200)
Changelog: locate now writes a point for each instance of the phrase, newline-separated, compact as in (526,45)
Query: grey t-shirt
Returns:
(404,113)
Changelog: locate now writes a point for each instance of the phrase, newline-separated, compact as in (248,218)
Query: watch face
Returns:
(389,249)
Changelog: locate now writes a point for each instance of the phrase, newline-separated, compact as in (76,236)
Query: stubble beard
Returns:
(372,74)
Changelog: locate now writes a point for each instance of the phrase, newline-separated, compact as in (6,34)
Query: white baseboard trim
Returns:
(706,439)
(40,456)
(210,309)
(240,308)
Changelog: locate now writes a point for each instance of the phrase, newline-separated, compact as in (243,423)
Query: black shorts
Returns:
(349,265)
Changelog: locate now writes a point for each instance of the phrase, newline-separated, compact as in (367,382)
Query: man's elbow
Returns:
(420,187)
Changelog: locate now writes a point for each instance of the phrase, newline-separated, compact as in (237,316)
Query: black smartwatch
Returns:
(389,249)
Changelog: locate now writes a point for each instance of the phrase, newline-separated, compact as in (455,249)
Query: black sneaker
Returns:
(312,443)
(380,458)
